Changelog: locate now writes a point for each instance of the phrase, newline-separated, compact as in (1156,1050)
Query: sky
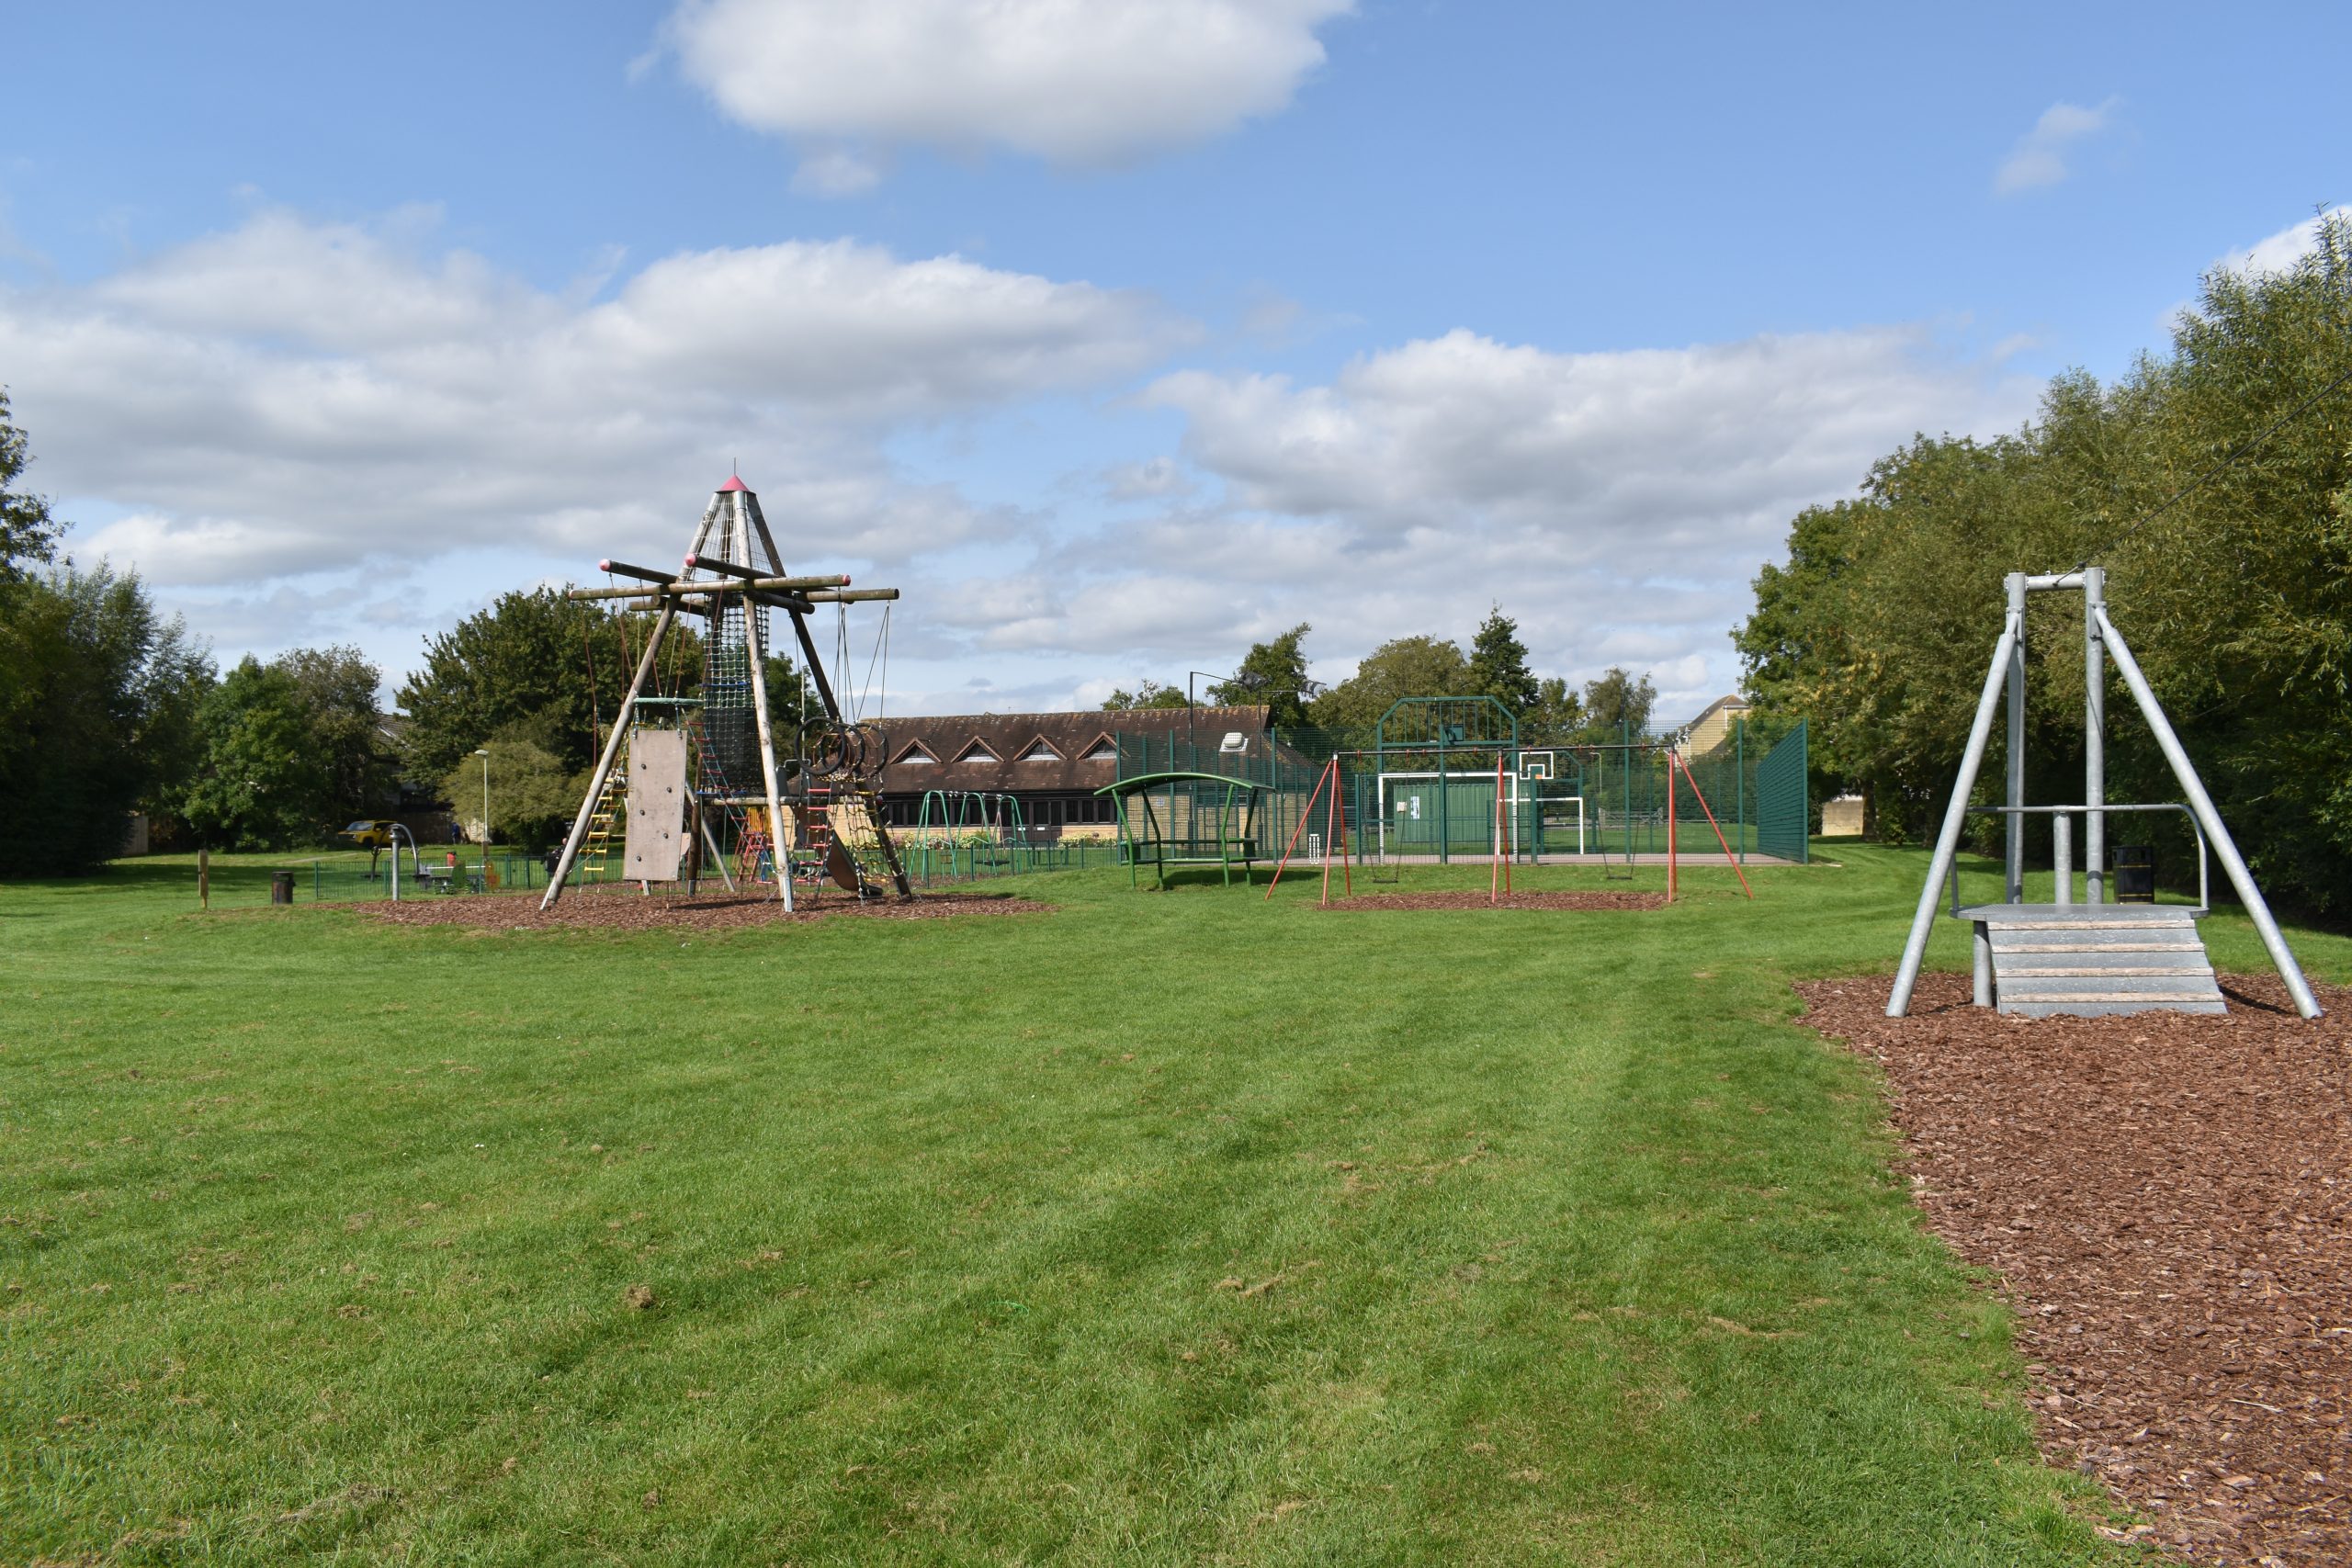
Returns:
(1118,334)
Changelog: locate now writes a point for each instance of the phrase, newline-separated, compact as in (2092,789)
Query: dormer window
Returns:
(916,755)
(1041,750)
(978,751)
(1105,750)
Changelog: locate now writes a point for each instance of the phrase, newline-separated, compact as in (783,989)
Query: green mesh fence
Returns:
(1784,809)
(1589,797)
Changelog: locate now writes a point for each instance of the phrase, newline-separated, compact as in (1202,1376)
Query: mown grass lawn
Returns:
(1164,1228)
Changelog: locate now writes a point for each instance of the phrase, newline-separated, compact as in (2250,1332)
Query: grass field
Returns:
(1164,1228)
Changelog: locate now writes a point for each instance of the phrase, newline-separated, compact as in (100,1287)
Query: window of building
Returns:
(1041,750)
(1105,750)
(916,755)
(978,751)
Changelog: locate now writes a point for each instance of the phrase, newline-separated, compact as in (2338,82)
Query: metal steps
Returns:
(2096,960)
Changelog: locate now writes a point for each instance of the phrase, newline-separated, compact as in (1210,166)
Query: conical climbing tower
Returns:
(731,783)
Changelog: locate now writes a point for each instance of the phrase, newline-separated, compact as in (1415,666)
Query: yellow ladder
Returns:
(595,854)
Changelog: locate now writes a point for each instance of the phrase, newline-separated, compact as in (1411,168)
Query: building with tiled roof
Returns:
(1051,763)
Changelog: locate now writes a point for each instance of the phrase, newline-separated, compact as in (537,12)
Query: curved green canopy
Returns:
(1128,786)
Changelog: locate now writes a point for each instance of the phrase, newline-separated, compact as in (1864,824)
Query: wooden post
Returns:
(579,833)
(758,657)
(833,705)
(204,876)
(620,727)
(717,858)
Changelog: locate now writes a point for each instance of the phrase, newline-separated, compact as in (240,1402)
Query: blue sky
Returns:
(1117,334)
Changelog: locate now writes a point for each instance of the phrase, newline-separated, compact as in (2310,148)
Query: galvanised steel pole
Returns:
(1956,813)
(1740,781)
(2225,848)
(2094,737)
(2013,819)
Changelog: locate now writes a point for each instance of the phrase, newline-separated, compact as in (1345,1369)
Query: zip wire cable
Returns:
(2241,451)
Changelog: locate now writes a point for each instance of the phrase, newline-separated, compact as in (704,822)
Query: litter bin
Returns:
(281,887)
(2135,874)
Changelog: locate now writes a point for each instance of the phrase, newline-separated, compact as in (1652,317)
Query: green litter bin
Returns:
(2135,874)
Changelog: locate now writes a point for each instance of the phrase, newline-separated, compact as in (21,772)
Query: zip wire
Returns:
(2241,451)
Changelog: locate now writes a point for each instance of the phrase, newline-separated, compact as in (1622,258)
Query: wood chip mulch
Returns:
(2167,1200)
(615,909)
(1472,898)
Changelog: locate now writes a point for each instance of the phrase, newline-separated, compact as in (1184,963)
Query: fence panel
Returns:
(1783,810)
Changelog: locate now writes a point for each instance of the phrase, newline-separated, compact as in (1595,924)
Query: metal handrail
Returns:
(2204,895)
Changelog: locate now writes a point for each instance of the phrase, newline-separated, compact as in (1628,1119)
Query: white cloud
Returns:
(1079,82)
(293,397)
(1156,478)
(837,171)
(1658,451)
(1617,504)
(2281,251)
(2039,157)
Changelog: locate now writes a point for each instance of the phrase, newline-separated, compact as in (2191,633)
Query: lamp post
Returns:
(483,752)
(1189,675)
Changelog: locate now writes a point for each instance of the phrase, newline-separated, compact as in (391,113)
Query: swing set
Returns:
(1329,789)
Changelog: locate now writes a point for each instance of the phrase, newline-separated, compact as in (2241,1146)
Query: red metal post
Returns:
(1300,827)
(1719,831)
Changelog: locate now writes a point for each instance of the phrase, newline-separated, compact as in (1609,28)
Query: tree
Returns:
(1499,663)
(2215,482)
(787,691)
(91,681)
(1616,701)
(1148,694)
(1406,667)
(96,690)
(532,797)
(261,783)
(338,687)
(562,664)
(1274,674)
(28,533)
(1555,717)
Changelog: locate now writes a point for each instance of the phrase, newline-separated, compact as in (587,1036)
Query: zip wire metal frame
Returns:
(2007,670)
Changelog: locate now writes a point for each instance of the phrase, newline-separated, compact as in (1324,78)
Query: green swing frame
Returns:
(1234,842)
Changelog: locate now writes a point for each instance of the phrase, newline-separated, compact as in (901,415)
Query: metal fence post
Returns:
(2094,736)
(1739,778)
(2013,819)
(1444,816)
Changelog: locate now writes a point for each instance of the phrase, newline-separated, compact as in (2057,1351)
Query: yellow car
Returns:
(370,835)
